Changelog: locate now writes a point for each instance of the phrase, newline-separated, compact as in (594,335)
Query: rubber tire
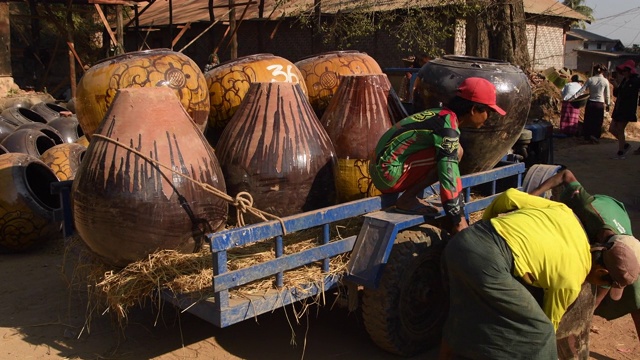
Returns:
(403,316)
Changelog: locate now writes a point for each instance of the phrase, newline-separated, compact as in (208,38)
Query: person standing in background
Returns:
(570,113)
(418,99)
(624,111)
(599,102)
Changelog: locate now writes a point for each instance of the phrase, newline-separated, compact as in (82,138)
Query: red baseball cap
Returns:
(481,91)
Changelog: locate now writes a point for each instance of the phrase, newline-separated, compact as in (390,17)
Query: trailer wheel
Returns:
(405,314)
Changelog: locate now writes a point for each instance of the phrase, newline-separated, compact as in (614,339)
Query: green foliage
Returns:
(579,6)
(87,28)
(417,30)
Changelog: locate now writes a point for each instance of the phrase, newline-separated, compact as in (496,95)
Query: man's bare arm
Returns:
(563,177)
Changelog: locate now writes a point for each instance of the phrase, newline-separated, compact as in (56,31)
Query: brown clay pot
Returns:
(125,205)
(28,141)
(26,203)
(150,68)
(229,82)
(49,111)
(322,72)
(275,148)
(20,115)
(64,159)
(68,127)
(51,132)
(363,108)
(572,336)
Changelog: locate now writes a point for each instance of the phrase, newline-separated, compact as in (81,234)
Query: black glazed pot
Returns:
(51,132)
(21,115)
(69,128)
(484,147)
(6,127)
(28,141)
(48,111)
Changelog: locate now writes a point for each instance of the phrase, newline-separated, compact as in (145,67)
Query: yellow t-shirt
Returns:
(548,243)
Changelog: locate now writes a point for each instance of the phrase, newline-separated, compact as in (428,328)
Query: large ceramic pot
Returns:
(126,205)
(150,68)
(6,127)
(49,111)
(26,203)
(19,115)
(321,74)
(64,160)
(483,147)
(363,108)
(229,82)
(573,332)
(51,132)
(276,149)
(28,141)
(68,127)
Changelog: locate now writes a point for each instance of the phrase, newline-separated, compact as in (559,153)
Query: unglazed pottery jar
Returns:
(322,74)
(26,203)
(483,147)
(151,68)
(275,148)
(229,82)
(363,108)
(126,205)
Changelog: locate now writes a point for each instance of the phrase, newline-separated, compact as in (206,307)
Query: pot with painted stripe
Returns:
(275,148)
(138,188)
(363,108)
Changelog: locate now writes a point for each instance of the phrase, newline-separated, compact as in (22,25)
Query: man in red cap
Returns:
(624,112)
(424,148)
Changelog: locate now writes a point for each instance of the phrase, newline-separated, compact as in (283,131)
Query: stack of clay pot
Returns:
(37,148)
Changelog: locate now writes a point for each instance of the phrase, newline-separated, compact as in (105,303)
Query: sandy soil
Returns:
(42,318)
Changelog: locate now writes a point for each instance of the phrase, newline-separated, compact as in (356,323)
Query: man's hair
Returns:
(575,78)
(462,106)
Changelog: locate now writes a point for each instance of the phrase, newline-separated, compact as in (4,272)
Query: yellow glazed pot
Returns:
(322,74)
(150,68)
(229,82)
(64,159)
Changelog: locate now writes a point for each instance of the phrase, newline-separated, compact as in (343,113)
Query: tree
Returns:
(497,29)
(579,6)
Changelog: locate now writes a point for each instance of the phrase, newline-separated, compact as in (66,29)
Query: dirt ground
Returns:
(42,318)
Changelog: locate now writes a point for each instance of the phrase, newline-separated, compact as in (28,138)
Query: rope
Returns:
(243,202)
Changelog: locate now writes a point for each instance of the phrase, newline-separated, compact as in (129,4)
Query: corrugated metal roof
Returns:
(197,10)
(551,8)
(586,35)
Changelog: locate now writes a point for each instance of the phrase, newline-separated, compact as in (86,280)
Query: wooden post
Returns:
(232,26)
(5,41)
(72,60)
(119,30)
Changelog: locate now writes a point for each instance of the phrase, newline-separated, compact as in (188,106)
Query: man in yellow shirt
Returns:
(537,242)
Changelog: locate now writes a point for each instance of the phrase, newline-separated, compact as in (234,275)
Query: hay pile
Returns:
(115,291)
